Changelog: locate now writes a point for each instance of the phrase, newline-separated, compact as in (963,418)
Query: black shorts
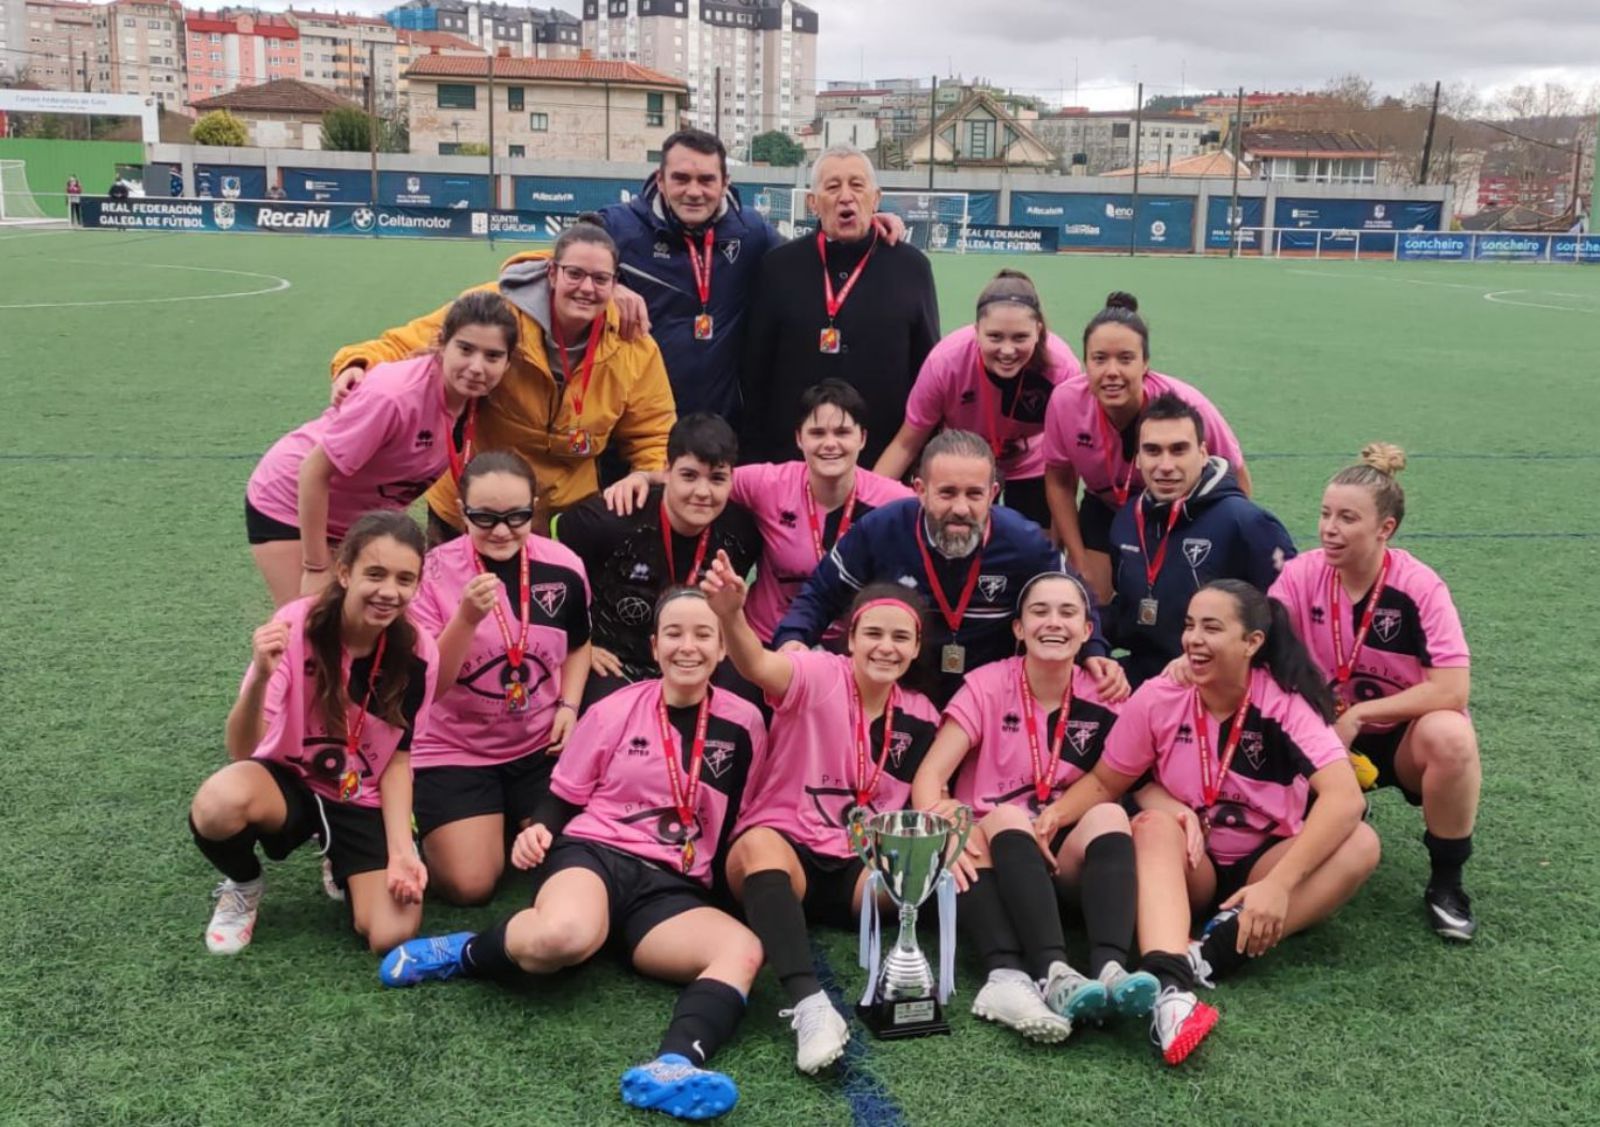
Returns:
(441,795)
(1381,747)
(262,529)
(1027,497)
(1231,878)
(352,836)
(640,894)
(1094,523)
(830,884)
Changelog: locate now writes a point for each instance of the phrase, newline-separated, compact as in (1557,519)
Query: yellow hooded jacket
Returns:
(629,400)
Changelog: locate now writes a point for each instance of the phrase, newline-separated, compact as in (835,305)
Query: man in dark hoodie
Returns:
(1190,525)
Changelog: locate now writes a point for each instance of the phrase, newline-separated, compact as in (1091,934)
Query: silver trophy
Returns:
(907,854)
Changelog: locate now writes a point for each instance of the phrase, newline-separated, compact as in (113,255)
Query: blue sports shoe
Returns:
(1132,993)
(673,1085)
(417,960)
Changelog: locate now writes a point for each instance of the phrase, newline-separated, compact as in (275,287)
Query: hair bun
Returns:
(1116,299)
(1011,272)
(1385,457)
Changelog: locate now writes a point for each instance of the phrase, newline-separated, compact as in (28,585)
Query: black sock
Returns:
(1029,896)
(983,918)
(1220,947)
(775,915)
(484,955)
(1448,854)
(234,857)
(1169,968)
(1109,894)
(705,1017)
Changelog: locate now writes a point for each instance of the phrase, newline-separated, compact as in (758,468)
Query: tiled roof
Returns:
(549,70)
(283,95)
(1203,166)
(1315,142)
(444,40)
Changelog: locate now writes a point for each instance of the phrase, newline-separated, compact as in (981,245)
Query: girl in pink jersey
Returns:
(1385,632)
(1091,436)
(1236,756)
(643,802)
(379,449)
(510,611)
(320,737)
(1012,753)
(993,378)
(792,860)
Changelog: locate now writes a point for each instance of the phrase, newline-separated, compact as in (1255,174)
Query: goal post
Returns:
(17,202)
(936,220)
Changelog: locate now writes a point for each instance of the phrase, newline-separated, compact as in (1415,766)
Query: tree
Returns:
(472,149)
(346,130)
(776,148)
(219,127)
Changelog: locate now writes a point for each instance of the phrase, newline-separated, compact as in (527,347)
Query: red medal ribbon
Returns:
(684,790)
(702,266)
(515,650)
(992,410)
(1119,493)
(817,522)
(1211,785)
(469,434)
(1044,773)
(1152,568)
(350,781)
(866,788)
(666,546)
(579,386)
(836,303)
(952,617)
(1344,668)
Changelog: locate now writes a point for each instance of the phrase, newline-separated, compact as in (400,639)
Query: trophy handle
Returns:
(860,840)
(962,821)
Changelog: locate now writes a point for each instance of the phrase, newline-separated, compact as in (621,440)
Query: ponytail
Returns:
(1282,653)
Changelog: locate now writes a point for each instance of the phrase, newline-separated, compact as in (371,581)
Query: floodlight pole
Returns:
(1233,206)
(1427,138)
(1138,137)
(372,120)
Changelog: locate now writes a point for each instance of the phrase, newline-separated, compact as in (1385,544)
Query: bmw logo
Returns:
(363,218)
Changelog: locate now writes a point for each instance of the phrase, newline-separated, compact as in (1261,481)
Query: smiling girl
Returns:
(320,736)
(406,423)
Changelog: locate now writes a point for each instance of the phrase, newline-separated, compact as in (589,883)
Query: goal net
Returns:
(17,204)
(934,220)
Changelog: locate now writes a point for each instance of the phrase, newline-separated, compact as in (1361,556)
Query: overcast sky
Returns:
(1040,46)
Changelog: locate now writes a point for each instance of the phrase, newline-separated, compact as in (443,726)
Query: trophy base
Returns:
(905,1017)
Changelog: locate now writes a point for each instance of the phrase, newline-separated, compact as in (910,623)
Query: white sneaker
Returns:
(821,1032)
(1200,965)
(234,920)
(1074,995)
(1179,1022)
(1012,999)
(1131,993)
(330,887)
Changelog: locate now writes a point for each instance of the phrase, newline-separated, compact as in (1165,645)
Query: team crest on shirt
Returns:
(730,251)
(1254,749)
(1011,722)
(633,611)
(1185,734)
(424,440)
(991,585)
(1081,733)
(661,250)
(549,596)
(1386,623)
(1196,550)
(719,757)
(639,572)
(899,743)
(1318,615)
(788,518)
(638,746)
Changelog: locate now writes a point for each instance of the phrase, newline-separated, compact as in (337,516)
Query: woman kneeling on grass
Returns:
(1019,732)
(792,862)
(642,803)
(510,611)
(320,735)
(1236,755)
(407,423)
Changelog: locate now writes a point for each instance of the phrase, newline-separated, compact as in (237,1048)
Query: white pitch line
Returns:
(1403,281)
(280,284)
(1499,298)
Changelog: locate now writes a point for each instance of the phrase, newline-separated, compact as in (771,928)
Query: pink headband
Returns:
(871,603)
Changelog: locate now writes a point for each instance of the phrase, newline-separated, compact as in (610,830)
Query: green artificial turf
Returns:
(131,419)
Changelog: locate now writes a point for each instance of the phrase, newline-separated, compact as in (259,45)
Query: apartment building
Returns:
(1105,140)
(530,33)
(139,50)
(227,50)
(335,50)
(763,51)
(54,32)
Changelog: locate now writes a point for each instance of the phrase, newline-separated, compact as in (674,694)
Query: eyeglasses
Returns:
(486,519)
(576,275)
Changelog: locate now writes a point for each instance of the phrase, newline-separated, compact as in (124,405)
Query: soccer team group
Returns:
(1161,717)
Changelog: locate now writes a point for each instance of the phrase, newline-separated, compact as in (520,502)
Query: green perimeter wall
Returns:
(49,163)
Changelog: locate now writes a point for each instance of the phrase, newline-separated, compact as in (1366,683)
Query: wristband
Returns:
(311,567)
(566,704)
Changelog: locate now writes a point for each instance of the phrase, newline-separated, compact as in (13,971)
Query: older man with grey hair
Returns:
(842,303)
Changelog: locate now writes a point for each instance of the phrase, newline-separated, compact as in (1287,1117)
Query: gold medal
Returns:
(688,856)
(952,658)
(349,785)
(1148,610)
(702,327)
(578,442)
(828,341)
(516,697)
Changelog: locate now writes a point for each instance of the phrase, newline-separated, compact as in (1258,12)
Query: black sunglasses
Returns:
(488,518)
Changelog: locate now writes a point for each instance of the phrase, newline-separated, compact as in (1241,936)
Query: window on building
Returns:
(514,98)
(515,151)
(654,109)
(449,148)
(539,122)
(1120,132)
(216,56)
(125,23)
(980,139)
(453,96)
(216,37)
